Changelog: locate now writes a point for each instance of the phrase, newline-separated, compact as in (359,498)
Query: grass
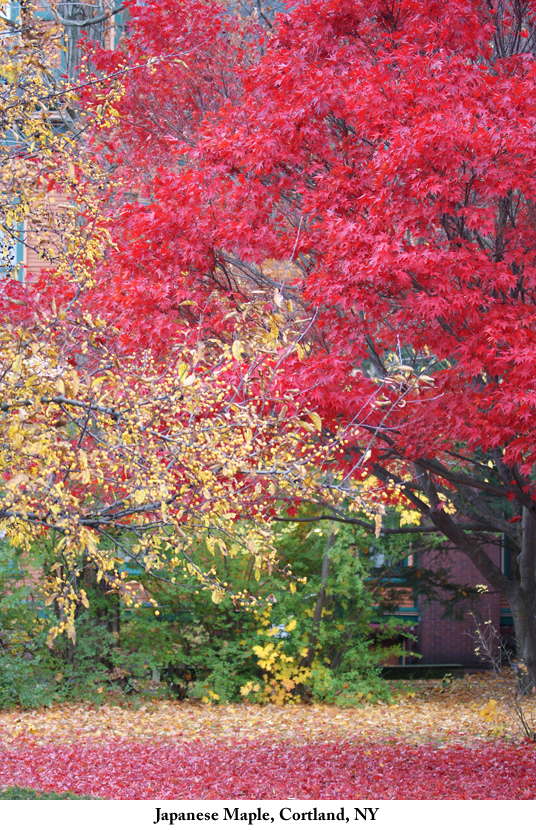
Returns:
(27,794)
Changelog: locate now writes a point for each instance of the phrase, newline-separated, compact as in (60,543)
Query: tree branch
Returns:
(371,527)
(456,535)
(91,21)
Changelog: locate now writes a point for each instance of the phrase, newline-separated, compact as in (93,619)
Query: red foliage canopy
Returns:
(388,149)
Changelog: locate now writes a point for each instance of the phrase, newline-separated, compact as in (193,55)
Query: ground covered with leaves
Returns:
(435,740)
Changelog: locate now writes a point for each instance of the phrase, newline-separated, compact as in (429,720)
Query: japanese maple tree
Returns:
(368,169)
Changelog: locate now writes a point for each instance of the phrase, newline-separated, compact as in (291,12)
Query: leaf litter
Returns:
(267,770)
(434,740)
(421,712)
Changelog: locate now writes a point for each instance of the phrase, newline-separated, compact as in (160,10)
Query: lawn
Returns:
(433,742)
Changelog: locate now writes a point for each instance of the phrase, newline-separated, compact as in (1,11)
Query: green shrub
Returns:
(193,648)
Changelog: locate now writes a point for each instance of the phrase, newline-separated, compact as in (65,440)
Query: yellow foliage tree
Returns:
(113,456)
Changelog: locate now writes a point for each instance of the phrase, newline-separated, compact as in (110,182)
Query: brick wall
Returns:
(443,640)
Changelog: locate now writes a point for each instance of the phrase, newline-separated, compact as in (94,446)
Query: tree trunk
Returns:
(320,602)
(520,592)
(523,595)
(77,13)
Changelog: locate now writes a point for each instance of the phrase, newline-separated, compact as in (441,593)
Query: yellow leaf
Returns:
(316,419)
(410,517)
(71,632)
(377,525)
(237,350)
(217,596)
(75,383)
(139,497)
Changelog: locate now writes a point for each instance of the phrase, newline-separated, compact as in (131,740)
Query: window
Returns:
(12,253)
